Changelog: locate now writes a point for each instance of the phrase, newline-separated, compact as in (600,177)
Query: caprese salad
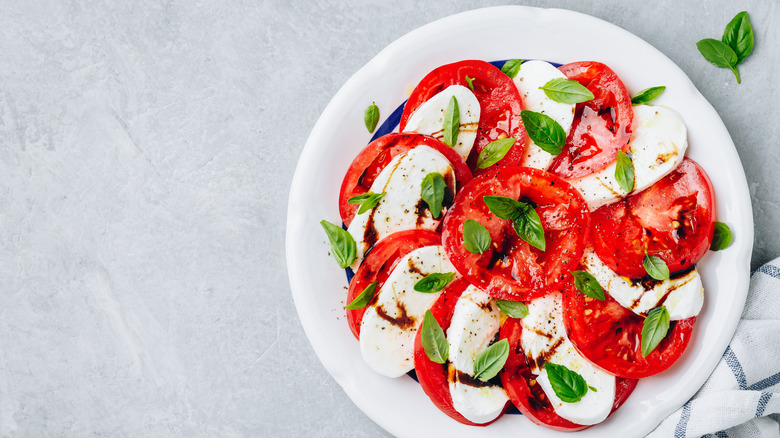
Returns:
(529,237)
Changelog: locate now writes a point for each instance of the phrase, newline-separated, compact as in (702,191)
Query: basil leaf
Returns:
(544,131)
(503,207)
(514,309)
(371,117)
(494,152)
(512,67)
(434,282)
(568,385)
(739,35)
(433,340)
(364,298)
(342,245)
(432,192)
(654,329)
(721,239)
(528,226)
(655,267)
(367,201)
(719,54)
(593,388)
(470,82)
(647,95)
(491,360)
(624,172)
(451,123)
(588,285)
(476,237)
(566,91)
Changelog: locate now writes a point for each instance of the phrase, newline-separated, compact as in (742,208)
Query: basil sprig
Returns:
(512,67)
(488,363)
(588,285)
(366,201)
(566,91)
(432,192)
(451,123)
(544,131)
(624,172)
(363,298)
(515,309)
(371,117)
(568,385)
(525,220)
(434,282)
(654,329)
(470,81)
(476,237)
(655,267)
(342,245)
(721,239)
(734,46)
(647,95)
(433,340)
(494,152)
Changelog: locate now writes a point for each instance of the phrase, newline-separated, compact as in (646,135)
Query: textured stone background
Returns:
(146,154)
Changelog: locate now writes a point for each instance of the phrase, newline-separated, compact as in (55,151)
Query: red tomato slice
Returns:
(431,375)
(610,336)
(499,101)
(378,264)
(511,269)
(673,219)
(378,154)
(601,126)
(520,384)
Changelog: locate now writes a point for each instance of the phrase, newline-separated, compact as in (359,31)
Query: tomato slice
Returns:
(512,269)
(520,384)
(378,154)
(378,264)
(601,126)
(610,336)
(673,219)
(499,101)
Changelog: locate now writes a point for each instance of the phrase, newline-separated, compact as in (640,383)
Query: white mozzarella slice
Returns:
(402,207)
(475,322)
(428,118)
(657,147)
(532,75)
(683,296)
(544,340)
(389,325)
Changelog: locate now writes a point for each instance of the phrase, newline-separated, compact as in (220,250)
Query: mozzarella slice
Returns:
(683,296)
(532,75)
(389,325)
(475,323)
(402,207)
(428,118)
(657,147)
(544,340)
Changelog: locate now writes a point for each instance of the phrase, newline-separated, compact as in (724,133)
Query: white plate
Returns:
(319,286)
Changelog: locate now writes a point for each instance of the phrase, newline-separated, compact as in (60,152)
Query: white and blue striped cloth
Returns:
(742,396)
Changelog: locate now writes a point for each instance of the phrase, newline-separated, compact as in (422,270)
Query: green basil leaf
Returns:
(364,298)
(647,95)
(342,245)
(503,207)
(654,329)
(476,237)
(566,91)
(432,192)
(624,172)
(451,123)
(719,54)
(544,131)
(515,309)
(434,282)
(367,201)
(491,360)
(470,82)
(433,340)
(494,152)
(568,385)
(371,117)
(739,35)
(528,226)
(593,389)
(588,285)
(512,67)
(655,267)
(721,239)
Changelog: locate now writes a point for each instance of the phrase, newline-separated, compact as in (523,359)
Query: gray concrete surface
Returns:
(146,154)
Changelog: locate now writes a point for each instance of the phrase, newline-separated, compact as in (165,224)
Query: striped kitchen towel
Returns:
(742,396)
